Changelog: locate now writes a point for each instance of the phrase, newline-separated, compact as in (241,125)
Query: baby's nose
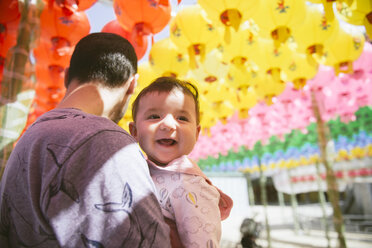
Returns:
(168,123)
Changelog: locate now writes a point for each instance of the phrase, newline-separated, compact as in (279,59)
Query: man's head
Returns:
(102,75)
(166,119)
(102,57)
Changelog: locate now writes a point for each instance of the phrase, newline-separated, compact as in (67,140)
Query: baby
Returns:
(166,125)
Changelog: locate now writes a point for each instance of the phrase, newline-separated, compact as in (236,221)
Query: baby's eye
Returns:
(183,118)
(153,116)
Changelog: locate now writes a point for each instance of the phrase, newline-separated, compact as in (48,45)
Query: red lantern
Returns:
(9,10)
(142,17)
(8,35)
(50,76)
(56,52)
(54,23)
(115,27)
(70,6)
(48,97)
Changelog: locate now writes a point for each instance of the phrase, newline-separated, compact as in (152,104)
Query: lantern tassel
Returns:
(227,35)
(234,18)
(367,22)
(328,9)
(191,51)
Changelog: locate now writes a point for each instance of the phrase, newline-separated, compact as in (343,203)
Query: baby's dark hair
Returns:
(167,84)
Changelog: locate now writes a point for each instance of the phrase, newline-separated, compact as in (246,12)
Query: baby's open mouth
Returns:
(166,142)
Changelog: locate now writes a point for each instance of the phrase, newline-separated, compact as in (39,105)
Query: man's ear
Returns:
(133,129)
(132,84)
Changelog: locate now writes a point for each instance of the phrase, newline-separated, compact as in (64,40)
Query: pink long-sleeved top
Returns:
(190,203)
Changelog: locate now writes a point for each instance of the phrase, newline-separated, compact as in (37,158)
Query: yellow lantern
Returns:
(229,13)
(356,12)
(300,70)
(315,33)
(193,33)
(219,100)
(270,59)
(213,69)
(146,75)
(328,7)
(243,76)
(243,44)
(267,87)
(167,60)
(346,48)
(278,18)
(246,99)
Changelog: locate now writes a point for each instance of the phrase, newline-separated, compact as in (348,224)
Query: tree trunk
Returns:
(332,187)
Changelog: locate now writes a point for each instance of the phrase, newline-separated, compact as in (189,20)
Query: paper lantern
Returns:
(193,33)
(56,52)
(300,70)
(167,60)
(50,76)
(356,12)
(70,6)
(346,48)
(243,76)
(267,87)
(213,70)
(271,59)
(146,75)
(54,23)
(328,7)
(8,35)
(242,45)
(278,19)
(115,27)
(142,17)
(246,99)
(9,11)
(229,13)
(48,97)
(315,33)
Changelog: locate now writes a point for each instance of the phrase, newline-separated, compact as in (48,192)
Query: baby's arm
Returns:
(196,212)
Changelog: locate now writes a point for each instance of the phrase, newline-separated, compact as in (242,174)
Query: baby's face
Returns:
(166,125)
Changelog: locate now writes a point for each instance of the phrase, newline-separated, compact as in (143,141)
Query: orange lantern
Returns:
(8,39)
(9,10)
(70,6)
(50,76)
(8,35)
(54,23)
(142,17)
(115,27)
(48,97)
(56,52)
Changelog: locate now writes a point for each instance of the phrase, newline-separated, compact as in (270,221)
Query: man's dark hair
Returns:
(104,57)
(167,84)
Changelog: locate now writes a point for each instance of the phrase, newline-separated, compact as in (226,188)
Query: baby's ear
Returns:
(198,131)
(133,129)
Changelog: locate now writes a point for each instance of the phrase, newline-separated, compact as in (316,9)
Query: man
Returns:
(75,178)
